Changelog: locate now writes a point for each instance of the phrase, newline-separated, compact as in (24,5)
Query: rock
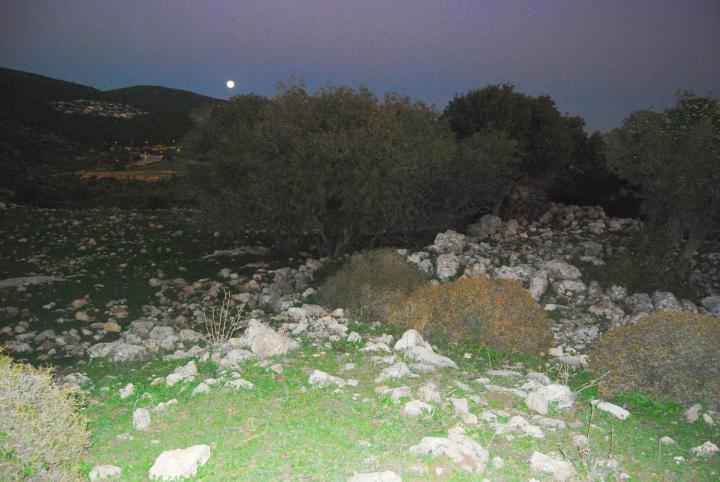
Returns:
(15,346)
(239,383)
(82,316)
(180,463)
(201,388)
(537,402)
(449,242)
(460,448)
(386,476)
(415,408)
(557,393)
(398,393)
(665,440)
(665,301)
(708,419)
(638,304)
(487,226)
(127,391)
(141,419)
(462,410)
(611,408)
(429,393)
(560,270)
(394,372)
(712,304)
(425,355)
(105,472)
(558,468)
(446,266)
(410,339)
(708,448)
(111,327)
(234,359)
(118,352)
(503,373)
(72,381)
(322,379)
(354,337)
(27,281)
(693,413)
(538,285)
(265,342)
(185,373)
(79,303)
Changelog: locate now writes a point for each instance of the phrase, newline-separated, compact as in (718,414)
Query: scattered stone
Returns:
(693,413)
(617,412)
(665,440)
(394,372)
(708,448)
(558,468)
(386,476)
(415,408)
(141,419)
(322,379)
(460,448)
(185,373)
(127,391)
(201,388)
(239,383)
(424,355)
(264,341)
(179,463)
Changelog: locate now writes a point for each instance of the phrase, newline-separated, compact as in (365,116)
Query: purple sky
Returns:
(600,59)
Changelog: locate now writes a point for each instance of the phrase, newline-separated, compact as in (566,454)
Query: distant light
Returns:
(230,84)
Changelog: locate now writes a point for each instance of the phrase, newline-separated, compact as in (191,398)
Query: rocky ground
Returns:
(120,288)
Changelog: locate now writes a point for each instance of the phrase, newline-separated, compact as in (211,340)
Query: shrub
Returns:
(369,283)
(670,355)
(498,314)
(43,436)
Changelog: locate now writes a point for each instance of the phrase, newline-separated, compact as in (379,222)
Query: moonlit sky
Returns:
(600,59)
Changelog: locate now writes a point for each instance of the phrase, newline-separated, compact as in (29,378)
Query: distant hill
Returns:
(49,126)
(37,104)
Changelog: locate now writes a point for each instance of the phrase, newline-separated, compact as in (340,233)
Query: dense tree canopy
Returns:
(674,159)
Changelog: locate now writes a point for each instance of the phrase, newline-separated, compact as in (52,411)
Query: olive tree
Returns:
(673,158)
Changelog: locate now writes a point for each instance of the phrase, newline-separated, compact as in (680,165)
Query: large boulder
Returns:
(560,270)
(118,352)
(179,464)
(264,341)
(449,242)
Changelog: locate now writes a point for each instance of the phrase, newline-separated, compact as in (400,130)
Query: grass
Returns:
(277,431)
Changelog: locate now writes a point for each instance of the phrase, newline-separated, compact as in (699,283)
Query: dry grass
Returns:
(498,314)
(671,355)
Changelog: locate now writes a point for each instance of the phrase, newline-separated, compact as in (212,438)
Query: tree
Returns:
(674,159)
(550,144)
(329,170)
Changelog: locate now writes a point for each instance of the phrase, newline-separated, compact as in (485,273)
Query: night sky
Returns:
(600,59)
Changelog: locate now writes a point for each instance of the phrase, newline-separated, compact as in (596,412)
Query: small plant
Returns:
(222,323)
(43,435)
(672,356)
(369,283)
(498,314)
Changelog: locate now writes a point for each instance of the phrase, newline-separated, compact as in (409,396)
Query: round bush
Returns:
(43,436)
(671,355)
(498,314)
(369,283)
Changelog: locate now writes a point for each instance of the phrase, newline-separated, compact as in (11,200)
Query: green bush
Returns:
(369,283)
(43,435)
(498,314)
(671,355)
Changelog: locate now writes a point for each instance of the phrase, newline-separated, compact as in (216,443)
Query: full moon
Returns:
(230,84)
